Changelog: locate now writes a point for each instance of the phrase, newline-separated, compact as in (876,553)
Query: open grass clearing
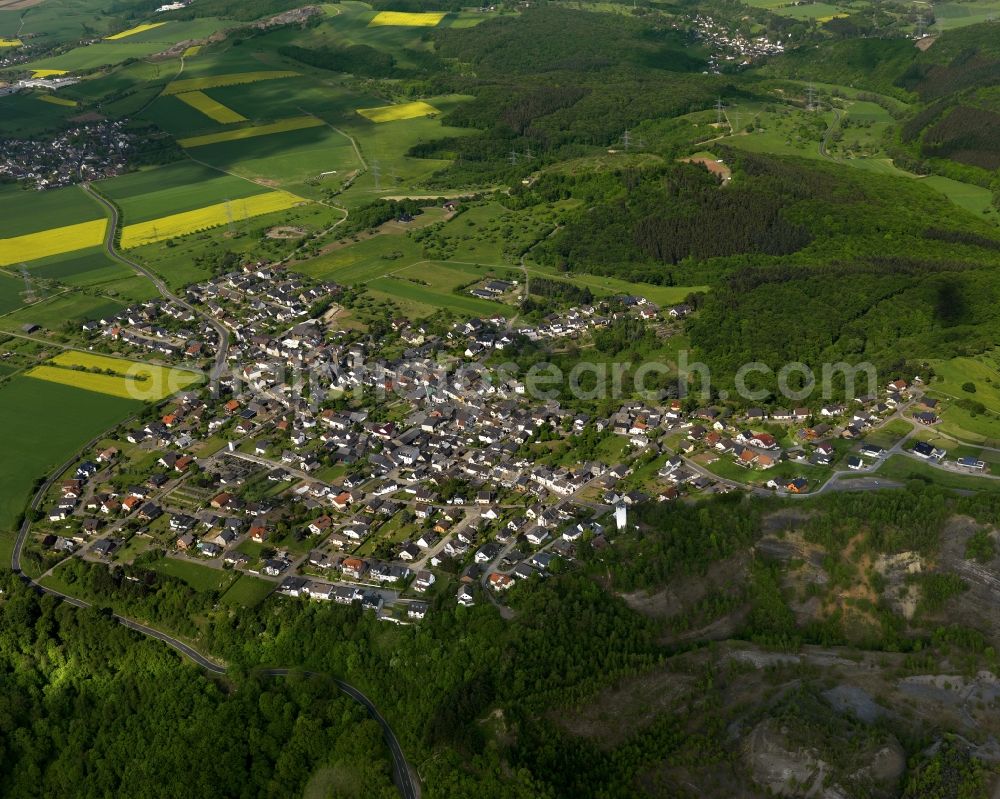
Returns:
(603,286)
(436,298)
(61,310)
(200,578)
(902,467)
(887,435)
(52,99)
(952,376)
(248,591)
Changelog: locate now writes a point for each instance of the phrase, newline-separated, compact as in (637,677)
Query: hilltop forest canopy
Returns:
(553,80)
(809,261)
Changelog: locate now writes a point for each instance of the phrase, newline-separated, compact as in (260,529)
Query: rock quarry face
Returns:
(781,763)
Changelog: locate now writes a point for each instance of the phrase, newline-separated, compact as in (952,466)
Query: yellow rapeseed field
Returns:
(392,113)
(168,227)
(63,101)
(213,109)
(407,19)
(10,42)
(53,241)
(193,50)
(130,379)
(230,79)
(133,31)
(281,126)
(47,73)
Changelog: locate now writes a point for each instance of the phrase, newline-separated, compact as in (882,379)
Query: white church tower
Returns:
(621,515)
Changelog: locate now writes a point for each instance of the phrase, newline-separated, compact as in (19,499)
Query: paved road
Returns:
(222,349)
(402,775)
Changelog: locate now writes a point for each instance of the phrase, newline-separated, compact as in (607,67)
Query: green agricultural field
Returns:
(171,31)
(285,159)
(201,578)
(102,54)
(390,142)
(818,11)
(45,424)
(822,12)
(184,186)
(11,289)
(24,115)
(55,21)
(89,267)
(178,118)
(68,308)
(949,16)
(270,100)
(126,78)
(23,212)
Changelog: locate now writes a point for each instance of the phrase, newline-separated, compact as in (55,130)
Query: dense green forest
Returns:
(553,80)
(92,709)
